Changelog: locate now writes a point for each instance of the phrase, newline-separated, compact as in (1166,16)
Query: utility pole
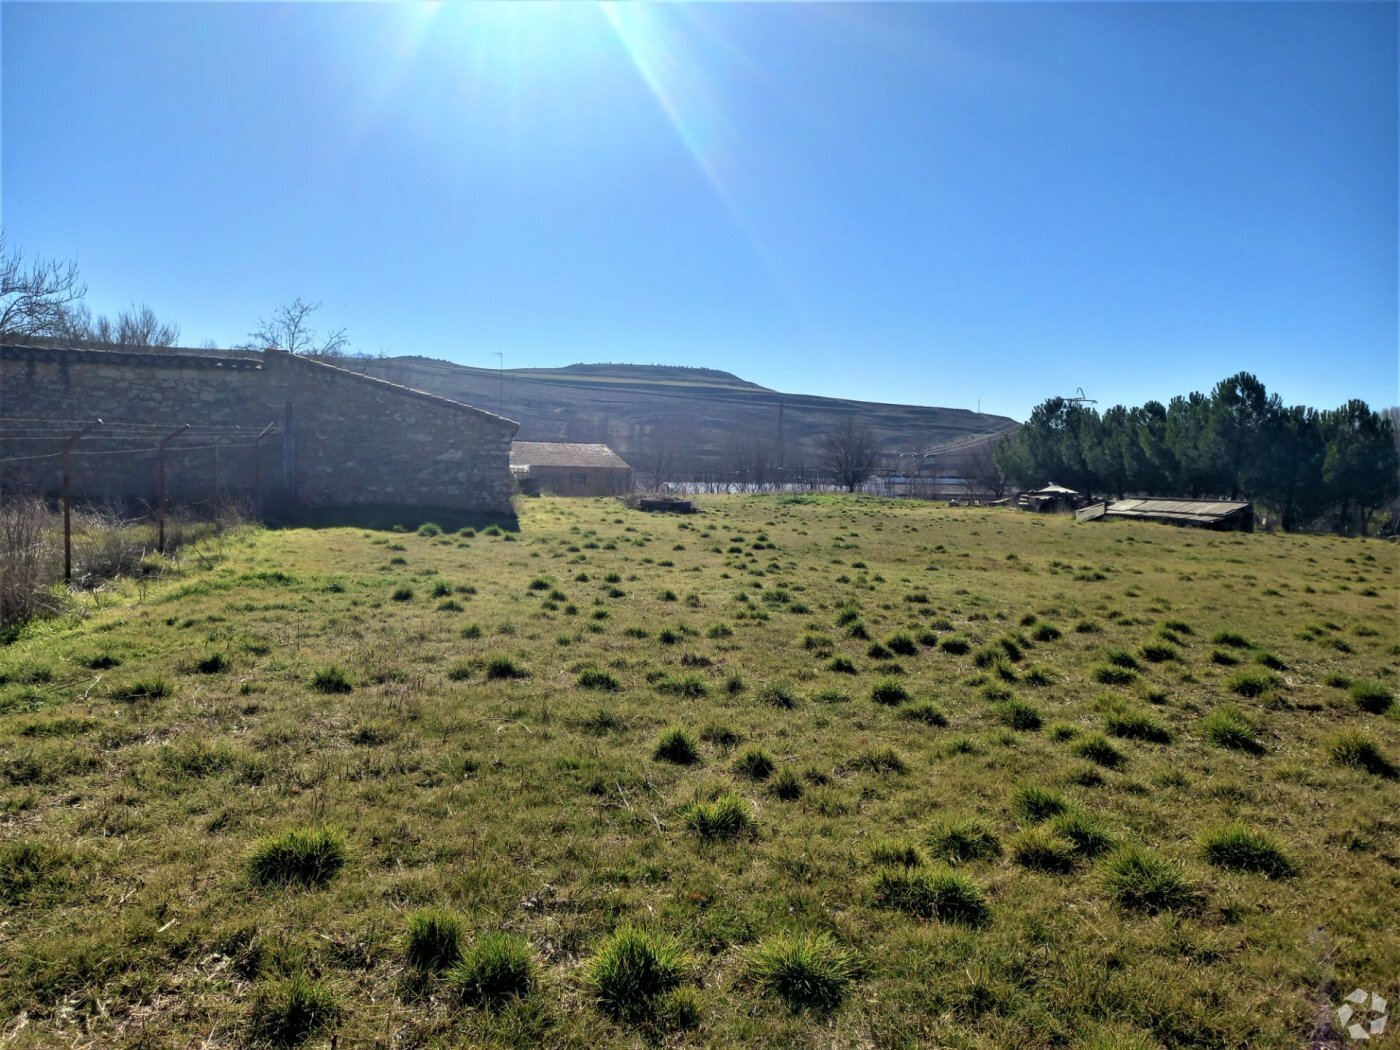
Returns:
(501,391)
(160,512)
(68,443)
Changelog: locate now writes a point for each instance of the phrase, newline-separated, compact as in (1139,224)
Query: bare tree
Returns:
(138,326)
(849,454)
(36,300)
(290,329)
(984,471)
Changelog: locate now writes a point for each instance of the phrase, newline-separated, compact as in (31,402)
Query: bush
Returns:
(943,894)
(807,971)
(1139,879)
(1370,696)
(331,679)
(756,764)
(1036,804)
(497,968)
(889,691)
(726,817)
(1350,747)
(290,1011)
(631,970)
(1099,749)
(1239,848)
(304,856)
(434,939)
(1041,849)
(962,841)
(676,745)
(1228,727)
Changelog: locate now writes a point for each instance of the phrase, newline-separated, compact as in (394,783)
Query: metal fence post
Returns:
(160,512)
(68,503)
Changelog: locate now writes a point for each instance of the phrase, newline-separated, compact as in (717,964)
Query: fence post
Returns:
(271,428)
(160,512)
(68,443)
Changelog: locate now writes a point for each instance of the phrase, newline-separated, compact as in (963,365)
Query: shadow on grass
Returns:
(385,518)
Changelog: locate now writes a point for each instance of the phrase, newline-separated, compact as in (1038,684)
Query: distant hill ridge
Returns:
(682,420)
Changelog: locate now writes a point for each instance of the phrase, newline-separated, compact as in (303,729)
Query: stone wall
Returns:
(340,439)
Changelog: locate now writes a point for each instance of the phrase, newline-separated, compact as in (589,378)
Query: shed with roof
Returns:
(567,468)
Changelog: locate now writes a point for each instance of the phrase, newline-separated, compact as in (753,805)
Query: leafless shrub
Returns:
(30,561)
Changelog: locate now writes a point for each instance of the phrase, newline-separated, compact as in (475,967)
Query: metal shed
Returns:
(1237,515)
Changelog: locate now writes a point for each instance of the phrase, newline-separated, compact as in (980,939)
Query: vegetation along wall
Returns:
(339,439)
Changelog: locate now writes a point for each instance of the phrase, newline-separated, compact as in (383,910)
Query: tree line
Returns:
(1336,467)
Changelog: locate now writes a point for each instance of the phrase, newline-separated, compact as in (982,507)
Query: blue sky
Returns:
(929,203)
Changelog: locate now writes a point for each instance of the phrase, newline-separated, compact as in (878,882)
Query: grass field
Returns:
(785,773)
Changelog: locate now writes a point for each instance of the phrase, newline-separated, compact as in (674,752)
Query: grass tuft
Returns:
(1228,727)
(1370,696)
(434,939)
(292,1010)
(331,679)
(889,691)
(726,817)
(807,971)
(1141,880)
(1239,848)
(678,746)
(499,967)
(631,970)
(961,841)
(944,894)
(303,856)
(1351,747)
(1035,804)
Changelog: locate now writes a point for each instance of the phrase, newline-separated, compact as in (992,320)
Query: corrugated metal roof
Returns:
(564,454)
(1184,509)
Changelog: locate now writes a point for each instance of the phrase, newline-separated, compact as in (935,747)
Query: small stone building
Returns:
(565,468)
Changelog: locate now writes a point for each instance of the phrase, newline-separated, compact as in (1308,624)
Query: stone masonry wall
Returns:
(341,439)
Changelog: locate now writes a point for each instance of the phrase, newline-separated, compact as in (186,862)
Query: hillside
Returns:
(699,420)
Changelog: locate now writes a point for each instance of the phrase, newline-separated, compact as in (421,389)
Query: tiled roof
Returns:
(563,454)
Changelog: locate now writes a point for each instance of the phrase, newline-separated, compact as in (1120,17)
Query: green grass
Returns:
(497,968)
(434,939)
(678,746)
(1239,848)
(303,856)
(1371,696)
(631,970)
(532,805)
(807,971)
